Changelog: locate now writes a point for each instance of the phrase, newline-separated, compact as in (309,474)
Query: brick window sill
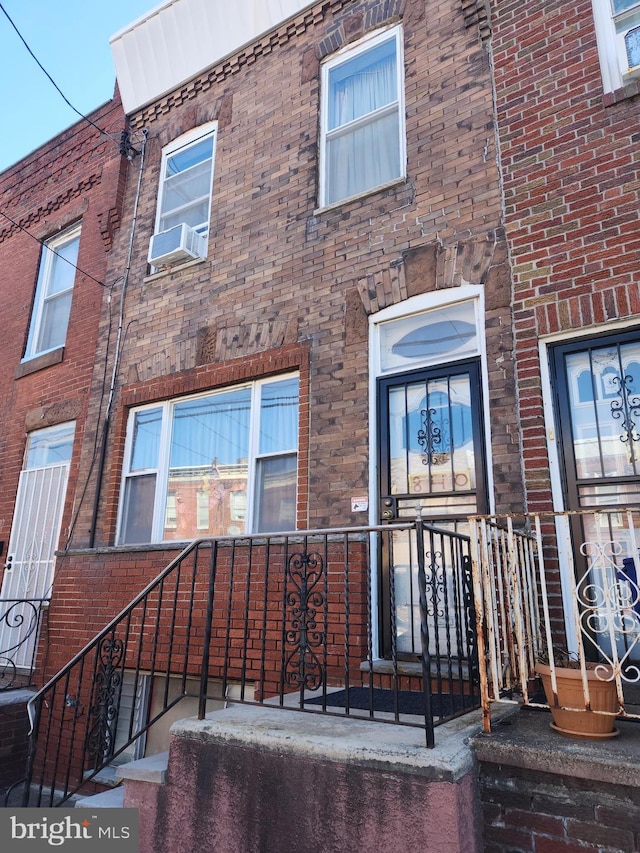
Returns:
(39,362)
(630,89)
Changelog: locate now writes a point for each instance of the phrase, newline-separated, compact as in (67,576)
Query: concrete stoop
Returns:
(255,779)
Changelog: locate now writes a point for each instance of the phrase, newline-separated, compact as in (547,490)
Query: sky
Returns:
(71,40)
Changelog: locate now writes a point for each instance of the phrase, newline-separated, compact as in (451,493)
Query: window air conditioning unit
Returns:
(176,245)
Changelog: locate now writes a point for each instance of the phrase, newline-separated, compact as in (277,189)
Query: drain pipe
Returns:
(118,348)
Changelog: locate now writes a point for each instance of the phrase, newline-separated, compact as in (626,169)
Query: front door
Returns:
(431,452)
(597,403)
(34,538)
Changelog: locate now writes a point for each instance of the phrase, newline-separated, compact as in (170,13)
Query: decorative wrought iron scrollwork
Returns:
(433,439)
(609,600)
(626,409)
(303,669)
(107,683)
(435,577)
(18,623)
(429,436)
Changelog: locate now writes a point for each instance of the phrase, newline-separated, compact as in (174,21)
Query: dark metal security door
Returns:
(431,457)
(598,408)
(597,405)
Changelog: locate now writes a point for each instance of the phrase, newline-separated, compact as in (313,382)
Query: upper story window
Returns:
(362,123)
(52,303)
(184,201)
(618,31)
(214,464)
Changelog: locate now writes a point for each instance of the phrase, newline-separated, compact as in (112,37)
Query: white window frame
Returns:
(345,55)
(417,305)
(182,142)
(50,438)
(132,710)
(161,472)
(42,296)
(610,31)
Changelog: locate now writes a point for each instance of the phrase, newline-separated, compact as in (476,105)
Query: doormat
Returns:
(409,701)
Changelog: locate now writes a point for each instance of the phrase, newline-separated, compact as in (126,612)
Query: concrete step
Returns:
(153,769)
(111,799)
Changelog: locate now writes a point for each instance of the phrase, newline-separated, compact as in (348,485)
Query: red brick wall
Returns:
(280,272)
(535,812)
(75,177)
(249,608)
(570,172)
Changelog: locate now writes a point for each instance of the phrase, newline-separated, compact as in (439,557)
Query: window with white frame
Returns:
(362,123)
(52,302)
(618,32)
(186,180)
(213,464)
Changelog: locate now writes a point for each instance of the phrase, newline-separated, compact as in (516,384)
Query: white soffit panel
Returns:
(179,39)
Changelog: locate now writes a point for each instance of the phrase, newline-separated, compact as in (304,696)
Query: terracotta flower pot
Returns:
(581,723)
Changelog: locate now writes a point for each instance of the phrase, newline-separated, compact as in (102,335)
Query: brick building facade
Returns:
(60,211)
(292,279)
(447,321)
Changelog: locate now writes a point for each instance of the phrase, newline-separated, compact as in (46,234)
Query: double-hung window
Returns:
(219,463)
(618,31)
(362,124)
(186,180)
(52,303)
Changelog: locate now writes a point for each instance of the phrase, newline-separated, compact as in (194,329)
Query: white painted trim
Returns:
(416,305)
(47,258)
(167,408)
(611,48)
(346,53)
(185,141)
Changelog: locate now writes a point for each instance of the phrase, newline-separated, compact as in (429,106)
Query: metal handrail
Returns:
(283,620)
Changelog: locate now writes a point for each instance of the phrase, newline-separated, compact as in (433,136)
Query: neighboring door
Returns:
(597,406)
(431,455)
(34,538)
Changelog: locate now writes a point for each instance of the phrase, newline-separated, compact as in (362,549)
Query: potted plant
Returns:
(568,706)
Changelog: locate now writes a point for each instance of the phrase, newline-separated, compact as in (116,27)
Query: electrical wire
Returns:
(46,246)
(55,85)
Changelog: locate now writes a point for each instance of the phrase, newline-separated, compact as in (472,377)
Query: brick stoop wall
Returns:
(14,725)
(544,793)
(263,779)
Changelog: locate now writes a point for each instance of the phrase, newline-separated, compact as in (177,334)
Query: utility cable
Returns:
(46,246)
(55,85)
(119,344)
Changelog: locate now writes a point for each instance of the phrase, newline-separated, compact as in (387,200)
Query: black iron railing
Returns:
(285,621)
(20,620)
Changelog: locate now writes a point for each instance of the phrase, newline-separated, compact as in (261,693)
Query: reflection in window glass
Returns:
(52,303)
(429,337)
(603,383)
(50,446)
(276,494)
(192,462)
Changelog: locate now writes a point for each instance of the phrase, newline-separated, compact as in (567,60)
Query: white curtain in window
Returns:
(368,155)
